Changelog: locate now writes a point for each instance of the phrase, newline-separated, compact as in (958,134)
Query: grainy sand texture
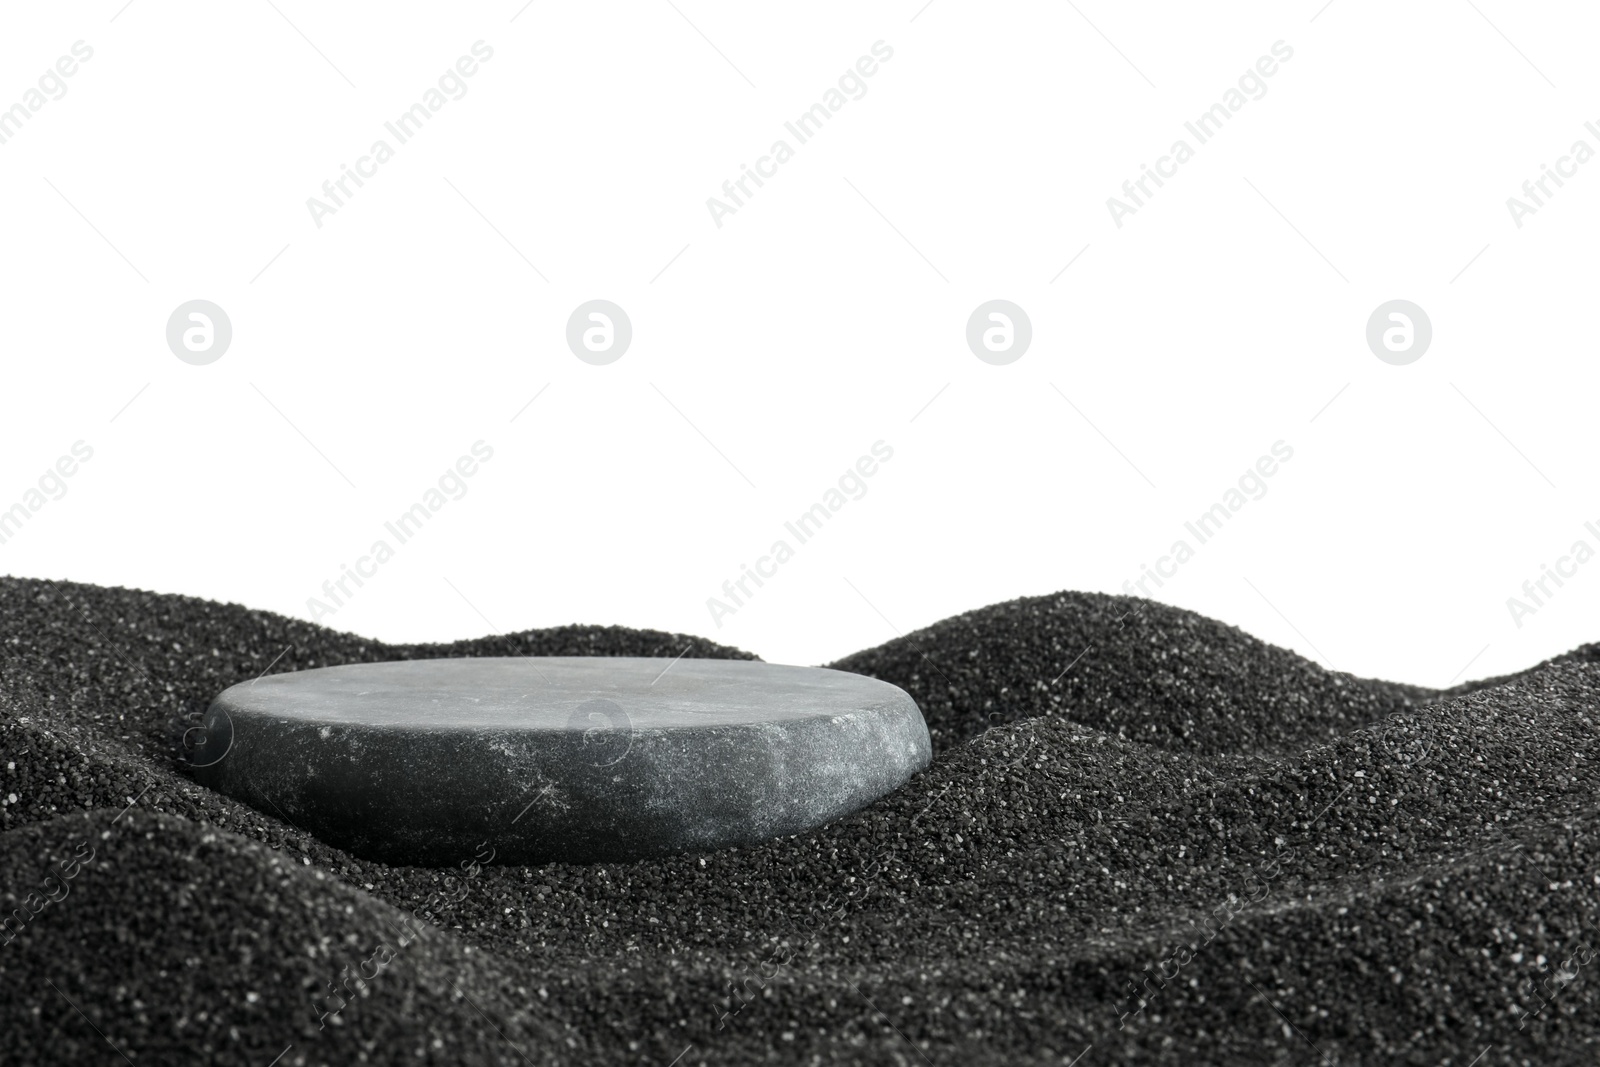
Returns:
(1146,837)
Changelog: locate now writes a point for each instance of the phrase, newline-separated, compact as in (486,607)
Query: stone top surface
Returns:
(542,693)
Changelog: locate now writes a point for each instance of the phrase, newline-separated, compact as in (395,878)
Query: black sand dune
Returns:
(1190,847)
(1134,668)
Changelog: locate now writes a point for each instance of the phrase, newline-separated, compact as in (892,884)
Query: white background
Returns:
(822,317)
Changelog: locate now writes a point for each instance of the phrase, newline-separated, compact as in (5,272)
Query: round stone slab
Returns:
(574,759)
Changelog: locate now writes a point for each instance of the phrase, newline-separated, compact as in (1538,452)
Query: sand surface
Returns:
(1145,837)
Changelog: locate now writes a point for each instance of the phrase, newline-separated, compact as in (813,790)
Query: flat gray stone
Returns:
(576,759)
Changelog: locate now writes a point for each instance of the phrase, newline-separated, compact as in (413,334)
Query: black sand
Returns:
(1190,847)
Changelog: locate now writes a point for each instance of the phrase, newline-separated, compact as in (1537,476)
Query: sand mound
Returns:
(1142,670)
(174,942)
(1205,850)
